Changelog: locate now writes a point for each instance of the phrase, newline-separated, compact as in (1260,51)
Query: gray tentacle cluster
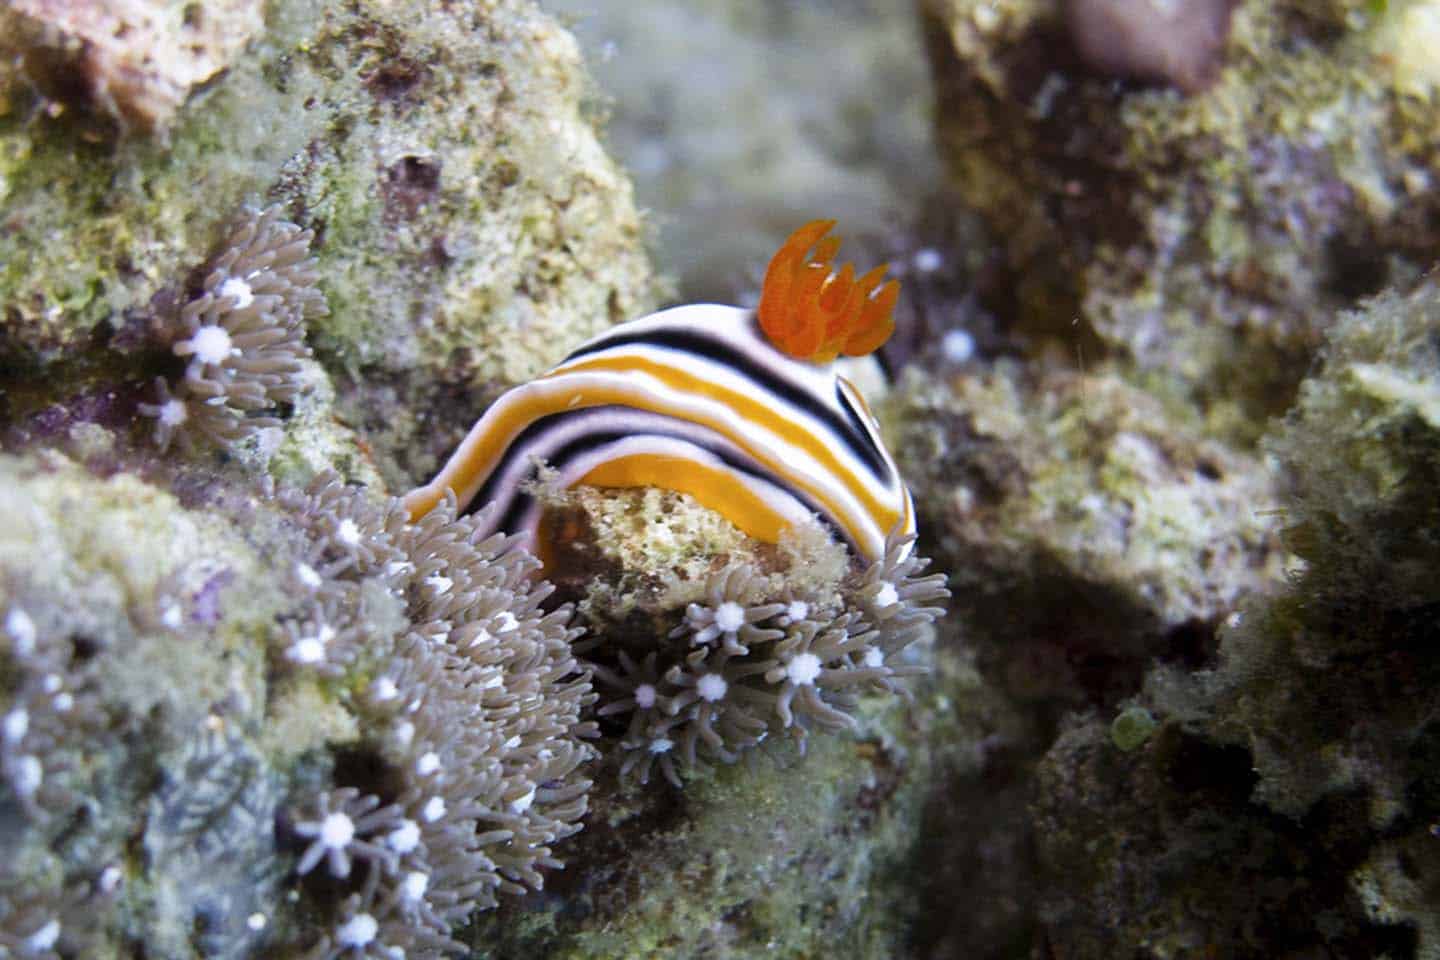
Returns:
(243,336)
(46,713)
(473,712)
(747,665)
(52,925)
(45,708)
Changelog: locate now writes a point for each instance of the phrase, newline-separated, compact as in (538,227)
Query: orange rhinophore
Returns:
(813,312)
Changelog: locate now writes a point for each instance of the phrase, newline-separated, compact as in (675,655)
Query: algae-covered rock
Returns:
(1206,237)
(1160,852)
(1363,450)
(1087,526)
(96,749)
(1301,768)
(469,226)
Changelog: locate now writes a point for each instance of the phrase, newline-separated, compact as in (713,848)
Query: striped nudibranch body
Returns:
(695,399)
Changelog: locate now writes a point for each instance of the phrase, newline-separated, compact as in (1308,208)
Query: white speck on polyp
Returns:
(239,291)
(211,345)
(711,687)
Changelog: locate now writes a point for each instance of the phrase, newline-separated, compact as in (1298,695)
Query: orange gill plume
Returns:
(813,312)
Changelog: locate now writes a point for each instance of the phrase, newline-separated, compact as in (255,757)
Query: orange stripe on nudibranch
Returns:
(714,489)
(752,411)
(813,312)
(551,394)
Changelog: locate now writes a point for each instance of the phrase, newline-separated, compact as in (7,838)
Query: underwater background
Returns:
(1164,385)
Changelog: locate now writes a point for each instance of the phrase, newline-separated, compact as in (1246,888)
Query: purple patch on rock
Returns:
(205,604)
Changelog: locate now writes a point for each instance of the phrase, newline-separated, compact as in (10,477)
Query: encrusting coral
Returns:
(764,657)
(242,336)
(473,714)
(451,778)
(47,722)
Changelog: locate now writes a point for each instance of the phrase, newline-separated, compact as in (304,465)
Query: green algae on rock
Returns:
(468,224)
(1312,743)
(1203,239)
(1082,520)
(1131,728)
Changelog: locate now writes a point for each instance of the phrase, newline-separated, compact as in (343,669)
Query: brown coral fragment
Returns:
(140,59)
(1180,42)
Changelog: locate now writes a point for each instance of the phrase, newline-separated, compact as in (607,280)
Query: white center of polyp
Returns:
(308,576)
(413,887)
(711,687)
(405,837)
(348,532)
(15,725)
(928,260)
(957,346)
(358,931)
(239,291)
(645,696)
(434,809)
(729,616)
(211,344)
(886,596)
(173,413)
(336,831)
(802,669)
(22,631)
(307,650)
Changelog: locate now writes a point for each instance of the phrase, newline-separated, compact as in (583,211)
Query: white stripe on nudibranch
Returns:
(700,399)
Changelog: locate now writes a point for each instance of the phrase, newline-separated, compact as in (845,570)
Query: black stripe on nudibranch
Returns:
(862,428)
(765,379)
(531,443)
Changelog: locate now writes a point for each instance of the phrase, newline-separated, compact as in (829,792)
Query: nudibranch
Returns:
(741,409)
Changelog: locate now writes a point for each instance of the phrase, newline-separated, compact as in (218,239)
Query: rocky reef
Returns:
(1296,771)
(1165,386)
(1296,177)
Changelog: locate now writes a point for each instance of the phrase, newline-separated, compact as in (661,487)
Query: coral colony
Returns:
(750,664)
(428,620)
(242,336)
